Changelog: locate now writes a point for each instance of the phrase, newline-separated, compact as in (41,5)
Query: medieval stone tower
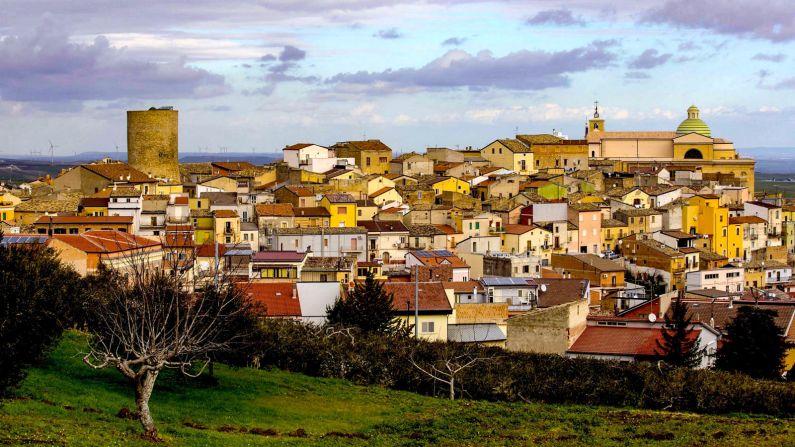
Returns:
(152,145)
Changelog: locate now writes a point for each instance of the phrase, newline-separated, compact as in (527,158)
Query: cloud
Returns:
(389,34)
(521,70)
(636,75)
(291,53)
(559,17)
(454,41)
(649,59)
(786,84)
(778,57)
(772,20)
(282,72)
(688,46)
(45,66)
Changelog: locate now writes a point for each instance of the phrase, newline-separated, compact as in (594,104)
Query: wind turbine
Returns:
(52,152)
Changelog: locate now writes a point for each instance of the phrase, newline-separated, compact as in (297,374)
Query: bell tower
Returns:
(596,124)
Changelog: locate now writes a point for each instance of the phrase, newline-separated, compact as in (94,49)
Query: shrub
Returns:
(373,359)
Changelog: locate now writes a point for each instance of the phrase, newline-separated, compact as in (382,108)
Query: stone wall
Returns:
(152,142)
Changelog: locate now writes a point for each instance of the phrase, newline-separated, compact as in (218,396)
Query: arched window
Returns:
(693,154)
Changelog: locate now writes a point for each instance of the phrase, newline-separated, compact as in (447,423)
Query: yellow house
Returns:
(168,188)
(386,195)
(203,226)
(735,242)
(8,202)
(199,203)
(366,210)
(449,184)
(226,225)
(704,215)
(378,182)
(631,196)
(530,239)
(509,154)
(434,308)
(612,231)
(342,208)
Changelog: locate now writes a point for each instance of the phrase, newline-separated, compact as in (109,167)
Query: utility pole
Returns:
(417,301)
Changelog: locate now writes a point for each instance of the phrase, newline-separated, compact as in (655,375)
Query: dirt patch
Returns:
(91,410)
(68,407)
(263,431)
(298,433)
(126,413)
(661,436)
(719,435)
(196,425)
(226,429)
(337,434)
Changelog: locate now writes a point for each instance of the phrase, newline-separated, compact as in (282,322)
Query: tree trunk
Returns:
(144,385)
(452,388)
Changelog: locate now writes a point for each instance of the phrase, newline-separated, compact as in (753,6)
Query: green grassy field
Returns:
(66,403)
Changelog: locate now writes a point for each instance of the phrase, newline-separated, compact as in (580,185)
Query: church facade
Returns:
(690,148)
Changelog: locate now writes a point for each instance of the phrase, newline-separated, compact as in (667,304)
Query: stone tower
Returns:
(152,143)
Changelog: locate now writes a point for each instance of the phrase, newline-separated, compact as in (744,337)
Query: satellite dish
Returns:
(652,318)
(543,287)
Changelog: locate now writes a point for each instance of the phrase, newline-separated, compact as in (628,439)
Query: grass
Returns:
(66,403)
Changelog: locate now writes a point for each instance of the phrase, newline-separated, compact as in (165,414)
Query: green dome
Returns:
(694,124)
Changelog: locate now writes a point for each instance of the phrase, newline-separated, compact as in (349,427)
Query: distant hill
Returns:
(186,157)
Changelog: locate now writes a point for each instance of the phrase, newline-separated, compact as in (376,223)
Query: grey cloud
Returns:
(268,58)
(45,66)
(560,17)
(778,57)
(688,46)
(649,59)
(637,75)
(389,33)
(454,41)
(291,53)
(771,20)
(521,70)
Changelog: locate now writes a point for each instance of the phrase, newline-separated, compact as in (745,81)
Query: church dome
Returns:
(694,124)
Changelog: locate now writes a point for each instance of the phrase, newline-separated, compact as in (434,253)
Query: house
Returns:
(446,184)
(431,303)
(754,233)
(126,202)
(634,197)
(296,195)
(178,247)
(94,177)
(277,265)
(529,239)
(646,256)
(640,220)
(314,216)
(273,300)
(661,195)
(588,219)
(299,155)
(509,154)
(427,237)
(621,343)
(604,275)
(332,241)
(549,330)
(479,244)
(226,225)
(229,167)
(386,240)
(412,164)
(612,231)
(342,209)
(275,215)
(340,269)
(80,224)
(553,152)
(386,195)
(91,206)
(521,294)
(769,212)
(443,259)
(518,265)
(115,249)
(372,156)
(730,279)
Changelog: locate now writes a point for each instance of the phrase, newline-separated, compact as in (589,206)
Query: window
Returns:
(325,242)
(428,326)
(73,231)
(477,225)
(367,161)
(384,160)
(342,210)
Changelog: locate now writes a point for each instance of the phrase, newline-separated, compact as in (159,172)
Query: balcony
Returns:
(401,245)
(753,237)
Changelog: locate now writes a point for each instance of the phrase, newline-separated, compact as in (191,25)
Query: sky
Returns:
(259,75)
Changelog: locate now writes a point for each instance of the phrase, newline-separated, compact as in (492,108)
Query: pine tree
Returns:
(753,344)
(367,307)
(678,347)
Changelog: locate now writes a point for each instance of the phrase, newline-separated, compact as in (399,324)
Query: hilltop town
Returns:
(535,243)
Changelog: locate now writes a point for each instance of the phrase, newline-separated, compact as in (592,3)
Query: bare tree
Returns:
(150,316)
(454,359)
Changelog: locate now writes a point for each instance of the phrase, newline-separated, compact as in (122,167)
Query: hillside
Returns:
(66,403)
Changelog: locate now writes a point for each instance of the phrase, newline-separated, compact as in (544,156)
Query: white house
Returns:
(299,154)
(728,278)
(126,202)
(333,241)
(479,244)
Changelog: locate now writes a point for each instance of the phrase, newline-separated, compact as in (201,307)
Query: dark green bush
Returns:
(513,376)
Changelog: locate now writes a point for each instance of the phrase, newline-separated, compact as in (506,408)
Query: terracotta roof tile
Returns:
(432,297)
(275,209)
(618,340)
(278,299)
